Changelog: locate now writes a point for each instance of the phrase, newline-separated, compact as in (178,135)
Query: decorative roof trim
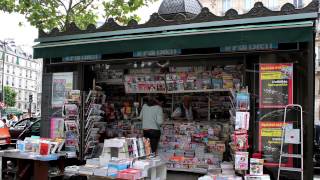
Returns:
(259,10)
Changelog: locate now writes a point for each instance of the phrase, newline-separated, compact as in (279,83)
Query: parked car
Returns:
(25,128)
(5,138)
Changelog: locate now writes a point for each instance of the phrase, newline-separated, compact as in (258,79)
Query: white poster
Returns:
(61,84)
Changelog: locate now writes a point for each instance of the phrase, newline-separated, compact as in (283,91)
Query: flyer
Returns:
(276,85)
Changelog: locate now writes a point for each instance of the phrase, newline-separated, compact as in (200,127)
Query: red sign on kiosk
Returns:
(270,134)
(276,85)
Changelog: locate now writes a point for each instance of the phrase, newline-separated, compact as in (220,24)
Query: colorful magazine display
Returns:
(145,83)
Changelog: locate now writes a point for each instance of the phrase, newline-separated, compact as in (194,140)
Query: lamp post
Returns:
(4,43)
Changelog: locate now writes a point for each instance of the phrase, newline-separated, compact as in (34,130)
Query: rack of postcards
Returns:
(71,116)
(93,124)
(239,143)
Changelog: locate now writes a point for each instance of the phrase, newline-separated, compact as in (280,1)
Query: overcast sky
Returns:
(24,35)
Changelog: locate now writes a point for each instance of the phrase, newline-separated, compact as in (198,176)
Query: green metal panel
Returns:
(216,24)
(275,35)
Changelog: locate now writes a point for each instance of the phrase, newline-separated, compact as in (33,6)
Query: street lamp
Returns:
(4,44)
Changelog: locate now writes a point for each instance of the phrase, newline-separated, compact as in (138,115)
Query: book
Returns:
(240,139)
(242,120)
(243,101)
(256,166)
(241,161)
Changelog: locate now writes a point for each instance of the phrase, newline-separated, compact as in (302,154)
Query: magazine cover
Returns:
(241,161)
(240,139)
(256,166)
(242,120)
(56,128)
(74,96)
(243,101)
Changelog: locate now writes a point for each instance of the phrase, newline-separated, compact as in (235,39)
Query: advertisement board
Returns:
(276,85)
(61,84)
(270,134)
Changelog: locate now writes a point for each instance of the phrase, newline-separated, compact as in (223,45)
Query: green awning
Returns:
(12,110)
(181,39)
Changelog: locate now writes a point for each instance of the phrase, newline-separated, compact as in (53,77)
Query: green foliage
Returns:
(123,10)
(48,14)
(9,96)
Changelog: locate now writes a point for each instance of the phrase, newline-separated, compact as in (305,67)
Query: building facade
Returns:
(22,73)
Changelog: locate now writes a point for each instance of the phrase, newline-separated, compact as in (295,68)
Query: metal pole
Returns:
(3,59)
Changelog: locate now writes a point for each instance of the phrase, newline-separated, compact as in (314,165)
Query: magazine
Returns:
(240,139)
(243,101)
(242,120)
(241,161)
(256,166)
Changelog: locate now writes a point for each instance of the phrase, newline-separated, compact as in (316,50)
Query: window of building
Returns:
(7,80)
(26,85)
(20,82)
(12,59)
(17,61)
(8,69)
(19,105)
(25,96)
(19,95)
(226,5)
(13,80)
(25,106)
(7,58)
(298,3)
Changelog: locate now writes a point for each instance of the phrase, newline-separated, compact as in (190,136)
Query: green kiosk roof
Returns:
(259,25)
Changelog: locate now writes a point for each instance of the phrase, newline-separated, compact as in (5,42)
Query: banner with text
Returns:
(276,85)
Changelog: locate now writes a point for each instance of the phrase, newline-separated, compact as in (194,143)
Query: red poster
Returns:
(276,85)
(270,134)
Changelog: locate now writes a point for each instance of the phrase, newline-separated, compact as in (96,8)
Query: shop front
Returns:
(223,84)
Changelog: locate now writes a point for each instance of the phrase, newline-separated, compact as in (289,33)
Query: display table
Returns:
(28,165)
(155,172)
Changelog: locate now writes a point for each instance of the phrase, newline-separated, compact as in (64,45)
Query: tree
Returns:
(9,96)
(48,14)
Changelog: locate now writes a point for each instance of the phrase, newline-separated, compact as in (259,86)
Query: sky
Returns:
(24,35)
